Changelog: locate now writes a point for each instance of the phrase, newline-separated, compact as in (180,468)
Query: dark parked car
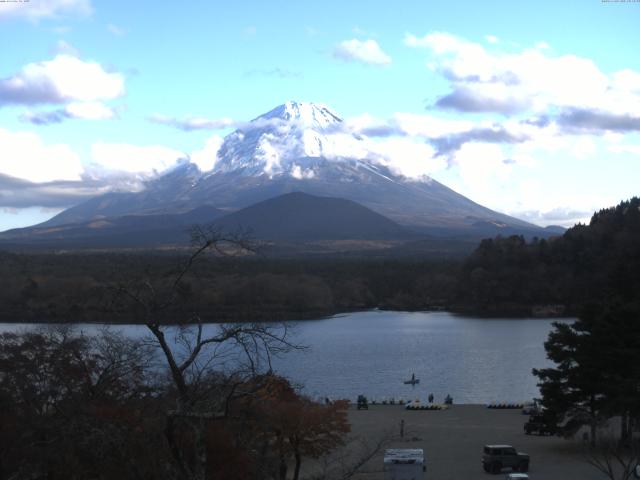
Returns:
(497,457)
(538,424)
(531,408)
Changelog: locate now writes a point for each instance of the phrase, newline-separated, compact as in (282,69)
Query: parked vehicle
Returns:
(404,464)
(531,408)
(538,424)
(497,457)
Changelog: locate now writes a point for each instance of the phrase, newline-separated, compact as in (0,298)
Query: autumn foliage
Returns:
(77,407)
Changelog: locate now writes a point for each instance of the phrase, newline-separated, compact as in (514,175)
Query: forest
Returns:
(74,287)
(504,276)
(588,264)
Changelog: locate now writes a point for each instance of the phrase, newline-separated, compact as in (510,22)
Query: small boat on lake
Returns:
(413,380)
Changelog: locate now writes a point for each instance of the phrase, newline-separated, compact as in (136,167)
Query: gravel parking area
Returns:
(453,440)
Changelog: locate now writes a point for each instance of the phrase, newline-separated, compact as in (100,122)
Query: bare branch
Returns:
(613,459)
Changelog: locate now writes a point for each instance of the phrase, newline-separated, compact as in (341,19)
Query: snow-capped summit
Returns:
(283,140)
(300,147)
(309,114)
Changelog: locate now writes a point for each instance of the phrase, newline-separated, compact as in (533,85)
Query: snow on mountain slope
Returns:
(281,141)
(312,115)
(304,147)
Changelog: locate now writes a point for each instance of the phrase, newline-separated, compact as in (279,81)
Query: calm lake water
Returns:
(475,360)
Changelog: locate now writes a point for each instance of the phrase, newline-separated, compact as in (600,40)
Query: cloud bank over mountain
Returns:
(512,120)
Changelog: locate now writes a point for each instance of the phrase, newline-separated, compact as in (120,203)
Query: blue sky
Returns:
(530,108)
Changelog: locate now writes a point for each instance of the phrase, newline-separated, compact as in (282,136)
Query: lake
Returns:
(475,360)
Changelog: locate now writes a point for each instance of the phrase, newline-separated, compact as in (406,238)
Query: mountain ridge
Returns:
(295,147)
(292,217)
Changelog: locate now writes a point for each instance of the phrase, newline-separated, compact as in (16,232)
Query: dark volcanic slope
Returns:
(301,217)
(422,205)
(409,203)
(125,231)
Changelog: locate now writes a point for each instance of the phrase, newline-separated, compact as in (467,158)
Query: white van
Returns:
(404,464)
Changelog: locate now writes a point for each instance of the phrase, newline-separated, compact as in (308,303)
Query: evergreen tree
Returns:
(573,393)
(597,372)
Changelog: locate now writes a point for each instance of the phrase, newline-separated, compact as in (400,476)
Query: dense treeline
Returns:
(78,287)
(589,263)
(596,372)
(503,276)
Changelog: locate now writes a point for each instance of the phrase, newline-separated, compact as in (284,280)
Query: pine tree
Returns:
(597,373)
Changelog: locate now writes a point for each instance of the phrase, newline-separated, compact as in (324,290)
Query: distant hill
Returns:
(115,232)
(293,217)
(301,217)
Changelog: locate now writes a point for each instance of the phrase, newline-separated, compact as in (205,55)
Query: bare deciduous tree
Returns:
(616,460)
(192,350)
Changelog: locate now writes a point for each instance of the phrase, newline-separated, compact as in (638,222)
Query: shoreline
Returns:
(302,316)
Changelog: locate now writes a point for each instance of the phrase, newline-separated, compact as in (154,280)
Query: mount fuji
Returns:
(301,147)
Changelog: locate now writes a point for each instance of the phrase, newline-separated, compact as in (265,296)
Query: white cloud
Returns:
(531,81)
(404,156)
(206,158)
(36,10)
(89,111)
(128,158)
(628,80)
(298,172)
(479,165)
(26,156)
(430,126)
(193,123)
(61,80)
(33,173)
(634,149)
(559,216)
(439,42)
(116,30)
(534,203)
(75,110)
(407,157)
(491,38)
(367,51)
(583,147)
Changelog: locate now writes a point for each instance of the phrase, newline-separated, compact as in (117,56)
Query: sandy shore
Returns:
(453,439)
